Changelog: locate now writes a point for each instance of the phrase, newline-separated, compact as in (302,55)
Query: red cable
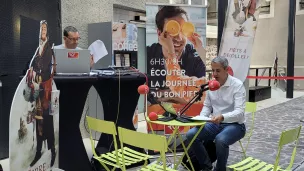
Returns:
(145,101)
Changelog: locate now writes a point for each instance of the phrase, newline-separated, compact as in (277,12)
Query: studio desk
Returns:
(73,94)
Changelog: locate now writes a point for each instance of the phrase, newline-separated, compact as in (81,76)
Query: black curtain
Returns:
(6,65)
(19,25)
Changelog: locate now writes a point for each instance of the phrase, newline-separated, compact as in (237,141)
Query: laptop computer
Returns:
(72,61)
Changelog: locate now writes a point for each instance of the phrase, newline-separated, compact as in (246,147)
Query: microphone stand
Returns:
(197,97)
(169,116)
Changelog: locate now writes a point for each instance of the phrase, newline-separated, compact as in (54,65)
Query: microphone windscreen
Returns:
(153,116)
(230,70)
(214,85)
(143,89)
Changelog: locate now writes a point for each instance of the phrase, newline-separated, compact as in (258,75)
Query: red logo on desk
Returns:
(73,54)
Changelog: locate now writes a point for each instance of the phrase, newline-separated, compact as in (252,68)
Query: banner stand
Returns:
(238,35)
(34,115)
(221,8)
(174,83)
(291,48)
(246,85)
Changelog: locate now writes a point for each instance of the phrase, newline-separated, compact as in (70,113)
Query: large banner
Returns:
(34,117)
(238,35)
(176,55)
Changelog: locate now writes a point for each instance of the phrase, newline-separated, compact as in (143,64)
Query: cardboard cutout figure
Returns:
(36,101)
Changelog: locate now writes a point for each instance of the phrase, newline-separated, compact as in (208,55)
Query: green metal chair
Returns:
(252,164)
(146,141)
(115,157)
(250,107)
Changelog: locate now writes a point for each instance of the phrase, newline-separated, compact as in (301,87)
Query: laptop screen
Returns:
(72,61)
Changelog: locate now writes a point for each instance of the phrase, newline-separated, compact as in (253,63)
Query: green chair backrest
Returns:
(287,137)
(102,126)
(144,140)
(251,107)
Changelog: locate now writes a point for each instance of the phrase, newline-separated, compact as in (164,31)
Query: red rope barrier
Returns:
(276,78)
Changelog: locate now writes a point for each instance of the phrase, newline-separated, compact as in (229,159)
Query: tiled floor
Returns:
(271,118)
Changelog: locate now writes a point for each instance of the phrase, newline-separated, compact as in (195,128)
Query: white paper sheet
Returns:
(201,118)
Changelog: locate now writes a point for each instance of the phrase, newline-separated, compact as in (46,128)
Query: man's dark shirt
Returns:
(190,62)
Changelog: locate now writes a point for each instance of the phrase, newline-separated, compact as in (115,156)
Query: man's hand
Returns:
(196,41)
(217,119)
(166,41)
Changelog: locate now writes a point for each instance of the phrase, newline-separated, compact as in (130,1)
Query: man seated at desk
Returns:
(71,37)
(226,106)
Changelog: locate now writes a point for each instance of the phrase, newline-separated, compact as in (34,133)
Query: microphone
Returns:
(204,85)
(212,85)
(230,71)
(153,116)
(143,89)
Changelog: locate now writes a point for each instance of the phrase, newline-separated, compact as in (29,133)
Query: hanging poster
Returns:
(124,37)
(34,117)
(176,58)
(238,35)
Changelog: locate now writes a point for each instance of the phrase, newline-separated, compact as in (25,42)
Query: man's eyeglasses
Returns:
(74,39)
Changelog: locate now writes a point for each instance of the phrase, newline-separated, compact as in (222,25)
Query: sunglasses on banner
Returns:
(174,28)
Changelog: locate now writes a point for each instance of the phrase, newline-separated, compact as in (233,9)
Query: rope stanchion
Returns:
(276,78)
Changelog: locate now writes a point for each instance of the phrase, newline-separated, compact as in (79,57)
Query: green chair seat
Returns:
(252,164)
(114,158)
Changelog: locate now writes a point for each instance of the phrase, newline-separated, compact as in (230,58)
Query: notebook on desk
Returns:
(72,62)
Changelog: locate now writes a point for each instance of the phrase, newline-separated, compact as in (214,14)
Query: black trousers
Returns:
(47,132)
